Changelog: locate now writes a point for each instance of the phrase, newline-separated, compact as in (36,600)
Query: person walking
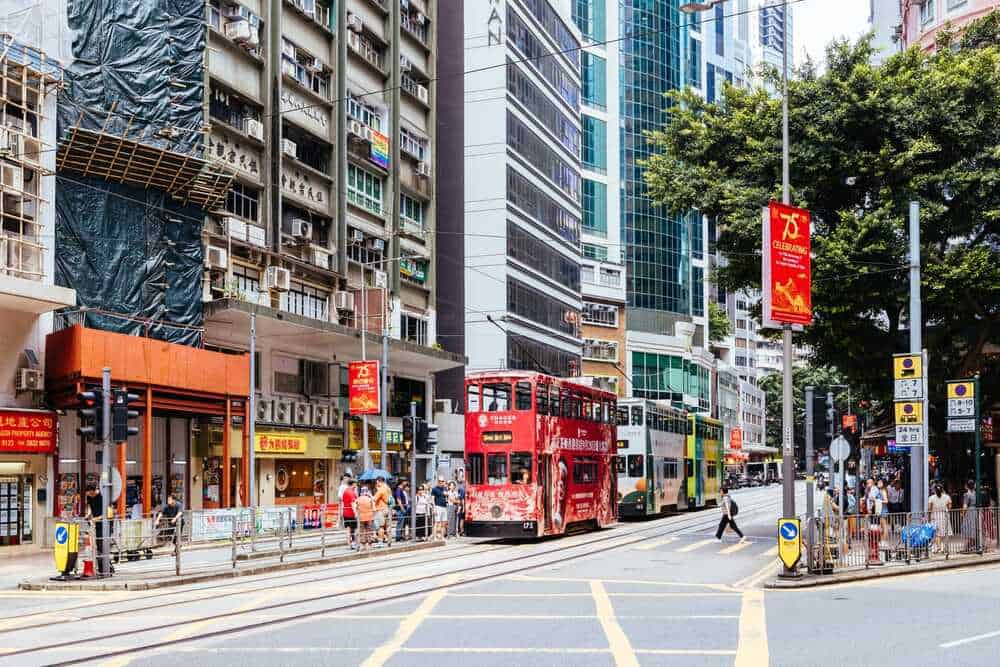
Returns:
(939,505)
(347,501)
(95,512)
(970,516)
(439,494)
(170,516)
(402,510)
(729,511)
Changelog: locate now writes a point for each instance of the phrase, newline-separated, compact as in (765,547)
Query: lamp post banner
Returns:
(786,268)
(363,388)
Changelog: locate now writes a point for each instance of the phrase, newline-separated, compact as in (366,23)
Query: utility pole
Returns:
(810,449)
(413,471)
(251,413)
(918,453)
(105,545)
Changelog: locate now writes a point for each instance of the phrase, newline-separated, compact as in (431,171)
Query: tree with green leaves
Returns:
(719,326)
(865,141)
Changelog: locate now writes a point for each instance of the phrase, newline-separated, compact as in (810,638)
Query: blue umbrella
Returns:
(373,474)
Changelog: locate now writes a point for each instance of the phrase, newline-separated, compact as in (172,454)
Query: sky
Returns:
(818,22)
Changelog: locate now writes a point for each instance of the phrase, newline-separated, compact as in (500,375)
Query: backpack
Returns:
(734,509)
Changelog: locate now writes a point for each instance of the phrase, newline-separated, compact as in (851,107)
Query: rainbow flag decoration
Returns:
(380,149)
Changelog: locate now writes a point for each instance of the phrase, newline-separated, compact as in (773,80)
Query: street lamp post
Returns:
(787,416)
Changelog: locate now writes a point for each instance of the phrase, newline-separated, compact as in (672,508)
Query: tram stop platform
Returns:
(212,563)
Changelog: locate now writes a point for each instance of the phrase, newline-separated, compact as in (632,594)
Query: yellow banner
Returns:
(909,412)
(280,443)
(908,366)
(961,390)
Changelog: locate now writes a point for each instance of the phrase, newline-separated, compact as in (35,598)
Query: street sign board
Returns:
(909,434)
(840,449)
(909,412)
(908,389)
(907,366)
(962,425)
(789,542)
(961,399)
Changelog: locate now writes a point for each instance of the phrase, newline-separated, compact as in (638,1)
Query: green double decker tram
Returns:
(703,461)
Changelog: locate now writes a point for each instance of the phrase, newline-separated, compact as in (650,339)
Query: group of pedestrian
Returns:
(368,510)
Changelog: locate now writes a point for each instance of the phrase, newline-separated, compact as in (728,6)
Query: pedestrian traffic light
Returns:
(408,432)
(120,414)
(91,414)
(831,417)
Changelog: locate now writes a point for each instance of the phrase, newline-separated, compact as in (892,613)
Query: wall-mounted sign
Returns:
(787,271)
(27,432)
(279,443)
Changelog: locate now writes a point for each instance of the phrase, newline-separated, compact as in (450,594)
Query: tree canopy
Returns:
(865,141)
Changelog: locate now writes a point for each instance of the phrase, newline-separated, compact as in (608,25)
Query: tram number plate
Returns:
(497,437)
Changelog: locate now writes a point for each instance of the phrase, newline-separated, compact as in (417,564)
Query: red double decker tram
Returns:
(539,455)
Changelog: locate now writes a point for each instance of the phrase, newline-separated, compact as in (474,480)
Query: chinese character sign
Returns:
(363,388)
(786,270)
(274,443)
(27,432)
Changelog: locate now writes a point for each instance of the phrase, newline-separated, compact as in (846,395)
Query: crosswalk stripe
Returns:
(734,548)
(657,543)
(770,553)
(696,545)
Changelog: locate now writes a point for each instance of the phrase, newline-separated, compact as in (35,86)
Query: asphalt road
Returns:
(648,593)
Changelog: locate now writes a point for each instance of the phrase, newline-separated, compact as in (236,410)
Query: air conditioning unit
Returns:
(12,176)
(303,414)
(238,31)
(424,169)
(319,256)
(354,23)
(302,229)
(254,41)
(367,133)
(216,258)
(404,64)
(256,235)
(234,228)
(356,128)
(376,244)
(255,129)
(283,411)
(355,236)
(264,408)
(289,148)
(343,301)
(29,379)
(278,279)
(380,279)
(321,415)
(423,94)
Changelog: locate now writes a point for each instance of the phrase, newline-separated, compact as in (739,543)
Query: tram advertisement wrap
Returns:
(513,503)
(786,268)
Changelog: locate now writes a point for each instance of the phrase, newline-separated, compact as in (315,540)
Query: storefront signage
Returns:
(787,277)
(380,149)
(363,388)
(280,443)
(27,432)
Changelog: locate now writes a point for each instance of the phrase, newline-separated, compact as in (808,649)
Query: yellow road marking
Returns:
(657,543)
(409,625)
(696,545)
(752,650)
(734,548)
(618,642)
(641,582)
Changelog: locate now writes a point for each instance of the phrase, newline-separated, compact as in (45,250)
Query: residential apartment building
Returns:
(920,21)
(523,187)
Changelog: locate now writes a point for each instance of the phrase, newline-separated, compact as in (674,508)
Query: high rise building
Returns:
(885,22)
(523,142)
(773,24)
(920,22)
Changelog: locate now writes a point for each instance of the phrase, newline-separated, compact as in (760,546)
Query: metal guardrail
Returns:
(861,541)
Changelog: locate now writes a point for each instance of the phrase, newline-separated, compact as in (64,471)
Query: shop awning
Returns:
(227,321)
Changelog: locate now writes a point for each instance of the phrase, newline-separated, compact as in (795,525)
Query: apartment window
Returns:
(547,113)
(587,273)
(243,201)
(411,213)
(600,350)
(539,307)
(537,205)
(364,113)
(364,189)
(927,11)
(412,144)
(542,257)
(413,328)
(610,277)
(539,154)
(596,252)
(595,144)
(595,208)
(591,17)
(308,150)
(710,82)
(523,353)
(698,288)
(247,282)
(540,57)
(720,30)
(368,49)
(954,4)
(231,109)
(306,301)
(600,314)
(694,62)
(553,24)
(594,78)
(304,68)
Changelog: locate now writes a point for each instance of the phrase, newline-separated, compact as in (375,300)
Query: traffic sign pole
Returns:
(979,444)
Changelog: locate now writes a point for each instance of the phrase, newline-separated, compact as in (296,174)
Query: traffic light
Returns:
(407,432)
(831,417)
(120,414)
(91,414)
(427,437)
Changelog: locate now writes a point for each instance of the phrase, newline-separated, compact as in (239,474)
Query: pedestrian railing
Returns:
(835,543)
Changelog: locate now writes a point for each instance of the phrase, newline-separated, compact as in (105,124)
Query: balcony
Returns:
(367,50)
(22,278)
(416,25)
(415,89)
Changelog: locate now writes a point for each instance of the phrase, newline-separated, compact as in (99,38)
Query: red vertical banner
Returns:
(736,439)
(363,388)
(786,268)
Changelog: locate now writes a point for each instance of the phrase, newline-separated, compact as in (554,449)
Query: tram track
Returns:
(615,540)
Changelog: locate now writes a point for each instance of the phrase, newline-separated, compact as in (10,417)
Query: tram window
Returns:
(520,468)
(472,398)
(689,467)
(620,465)
(635,465)
(712,470)
(586,409)
(554,405)
(585,471)
(670,468)
(636,415)
(522,395)
(622,416)
(609,412)
(496,396)
(496,475)
(474,468)
(542,399)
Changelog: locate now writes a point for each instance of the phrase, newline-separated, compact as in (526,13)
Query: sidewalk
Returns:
(216,563)
(894,569)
